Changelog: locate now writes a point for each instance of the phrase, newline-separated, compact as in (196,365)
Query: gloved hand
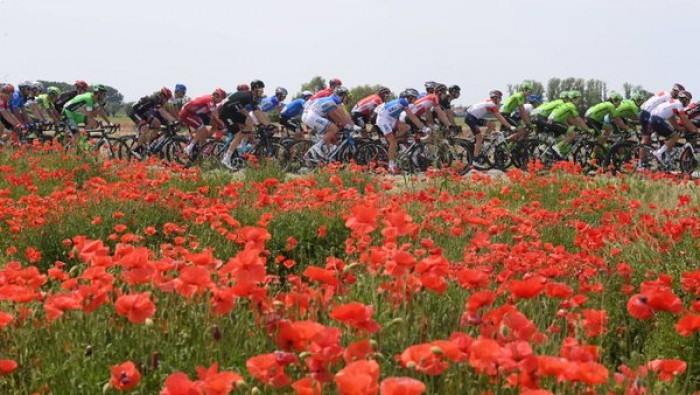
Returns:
(426,129)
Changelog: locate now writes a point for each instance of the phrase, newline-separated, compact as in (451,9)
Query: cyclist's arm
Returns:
(442,116)
(167,115)
(580,123)
(688,124)
(502,120)
(620,123)
(10,117)
(261,116)
(19,113)
(416,121)
(524,114)
(340,116)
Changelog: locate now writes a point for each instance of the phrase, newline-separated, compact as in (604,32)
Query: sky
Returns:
(137,46)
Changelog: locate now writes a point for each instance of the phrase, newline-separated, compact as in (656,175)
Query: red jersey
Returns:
(201,105)
(424,104)
(322,93)
(4,105)
(367,105)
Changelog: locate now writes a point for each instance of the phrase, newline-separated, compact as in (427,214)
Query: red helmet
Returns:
(81,85)
(243,87)
(167,93)
(8,88)
(335,82)
(219,92)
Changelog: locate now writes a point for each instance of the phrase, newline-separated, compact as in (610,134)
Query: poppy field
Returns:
(138,278)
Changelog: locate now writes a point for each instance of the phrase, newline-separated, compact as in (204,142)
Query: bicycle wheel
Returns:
(426,155)
(373,155)
(462,153)
(174,150)
(210,155)
(618,155)
(589,155)
(641,158)
(297,161)
(687,161)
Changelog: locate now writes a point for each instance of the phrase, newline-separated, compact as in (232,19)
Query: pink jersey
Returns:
(480,110)
(322,93)
(367,105)
(425,103)
(669,109)
(201,105)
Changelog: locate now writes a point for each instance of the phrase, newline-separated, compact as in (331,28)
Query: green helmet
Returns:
(637,96)
(614,96)
(53,90)
(99,88)
(573,95)
(526,86)
(564,95)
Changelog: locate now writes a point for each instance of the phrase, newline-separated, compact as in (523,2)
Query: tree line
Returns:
(115,100)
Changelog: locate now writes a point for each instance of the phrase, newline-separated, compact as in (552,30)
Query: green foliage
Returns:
(115,100)
(314,85)
(360,92)
(539,88)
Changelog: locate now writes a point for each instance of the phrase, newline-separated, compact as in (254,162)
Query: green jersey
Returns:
(86,100)
(600,110)
(627,109)
(44,102)
(545,109)
(564,112)
(513,103)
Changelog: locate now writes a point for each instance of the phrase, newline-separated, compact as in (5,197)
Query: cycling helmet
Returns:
(534,99)
(335,82)
(637,96)
(563,95)
(614,96)
(341,91)
(81,85)
(281,91)
(306,95)
(526,86)
(678,87)
(430,86)
(38,86)
(495,94)
(53,90)
(257,84)
(219,92)
(243,87)
(410,92)
(180,88)
(383,91)
(685,95)
(25,84)
(454,88)
(167,93)
(99,88)
(7,88)
(440,88)
(574,95)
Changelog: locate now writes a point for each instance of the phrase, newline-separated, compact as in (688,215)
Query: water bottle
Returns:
(244,149)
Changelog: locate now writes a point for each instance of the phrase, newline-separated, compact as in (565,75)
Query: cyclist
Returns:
(19,99)
(665,122)
(149,114)
(515,102)
(175,104)
(388,115)
(648,106)
(85,109)
(268,104)
(429,88)
(332,85)
(430,103)
(595,116)
(46,104)
(31,105)
(363,112)
(7,118)
(564,119)
(323,116)
(80,88)
(237,113)
(199,113)
(628,109)
(533,102)
(478,113)
(453,92)
(292,112)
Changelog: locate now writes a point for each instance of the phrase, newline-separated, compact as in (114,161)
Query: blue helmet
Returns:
(180,88)
(534,99)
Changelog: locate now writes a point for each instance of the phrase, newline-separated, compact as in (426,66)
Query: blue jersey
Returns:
(325,105)
(294,108)
(17,101)
(395,107)
(269,103)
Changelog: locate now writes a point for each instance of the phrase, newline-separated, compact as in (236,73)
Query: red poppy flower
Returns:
(125,376)
(180,384)
(688,324)
(526,289)
(638,308)
(269,369)
(297,335)
(307,386)
(356,315)
(7,366)
(215,382)
(363,219)
(136,307)
(401,386)
(667,369)
(358,378)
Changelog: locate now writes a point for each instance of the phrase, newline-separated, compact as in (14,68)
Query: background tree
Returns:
(360,92)
(538,88)
(628,88)
(316,84)
(115,100)
(595,92)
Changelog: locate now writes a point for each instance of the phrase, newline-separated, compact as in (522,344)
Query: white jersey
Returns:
(654,101)
(480,110)
(668,109)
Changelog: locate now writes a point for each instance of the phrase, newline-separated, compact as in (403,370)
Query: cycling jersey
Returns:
(322,93)
(513,102)
(546,109)
(178,102)
(43,101)
(655,101)
(481,110)
(64,98)
(693,111)
(294,108)
(242,100)
(367,105)
(201,105)
(393,108)
(627,109)
(17,101)
(270,103)
(668,109)
(146,104)
(325,105)
(86,100)
(424,104)
(564,112)
(600,111)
